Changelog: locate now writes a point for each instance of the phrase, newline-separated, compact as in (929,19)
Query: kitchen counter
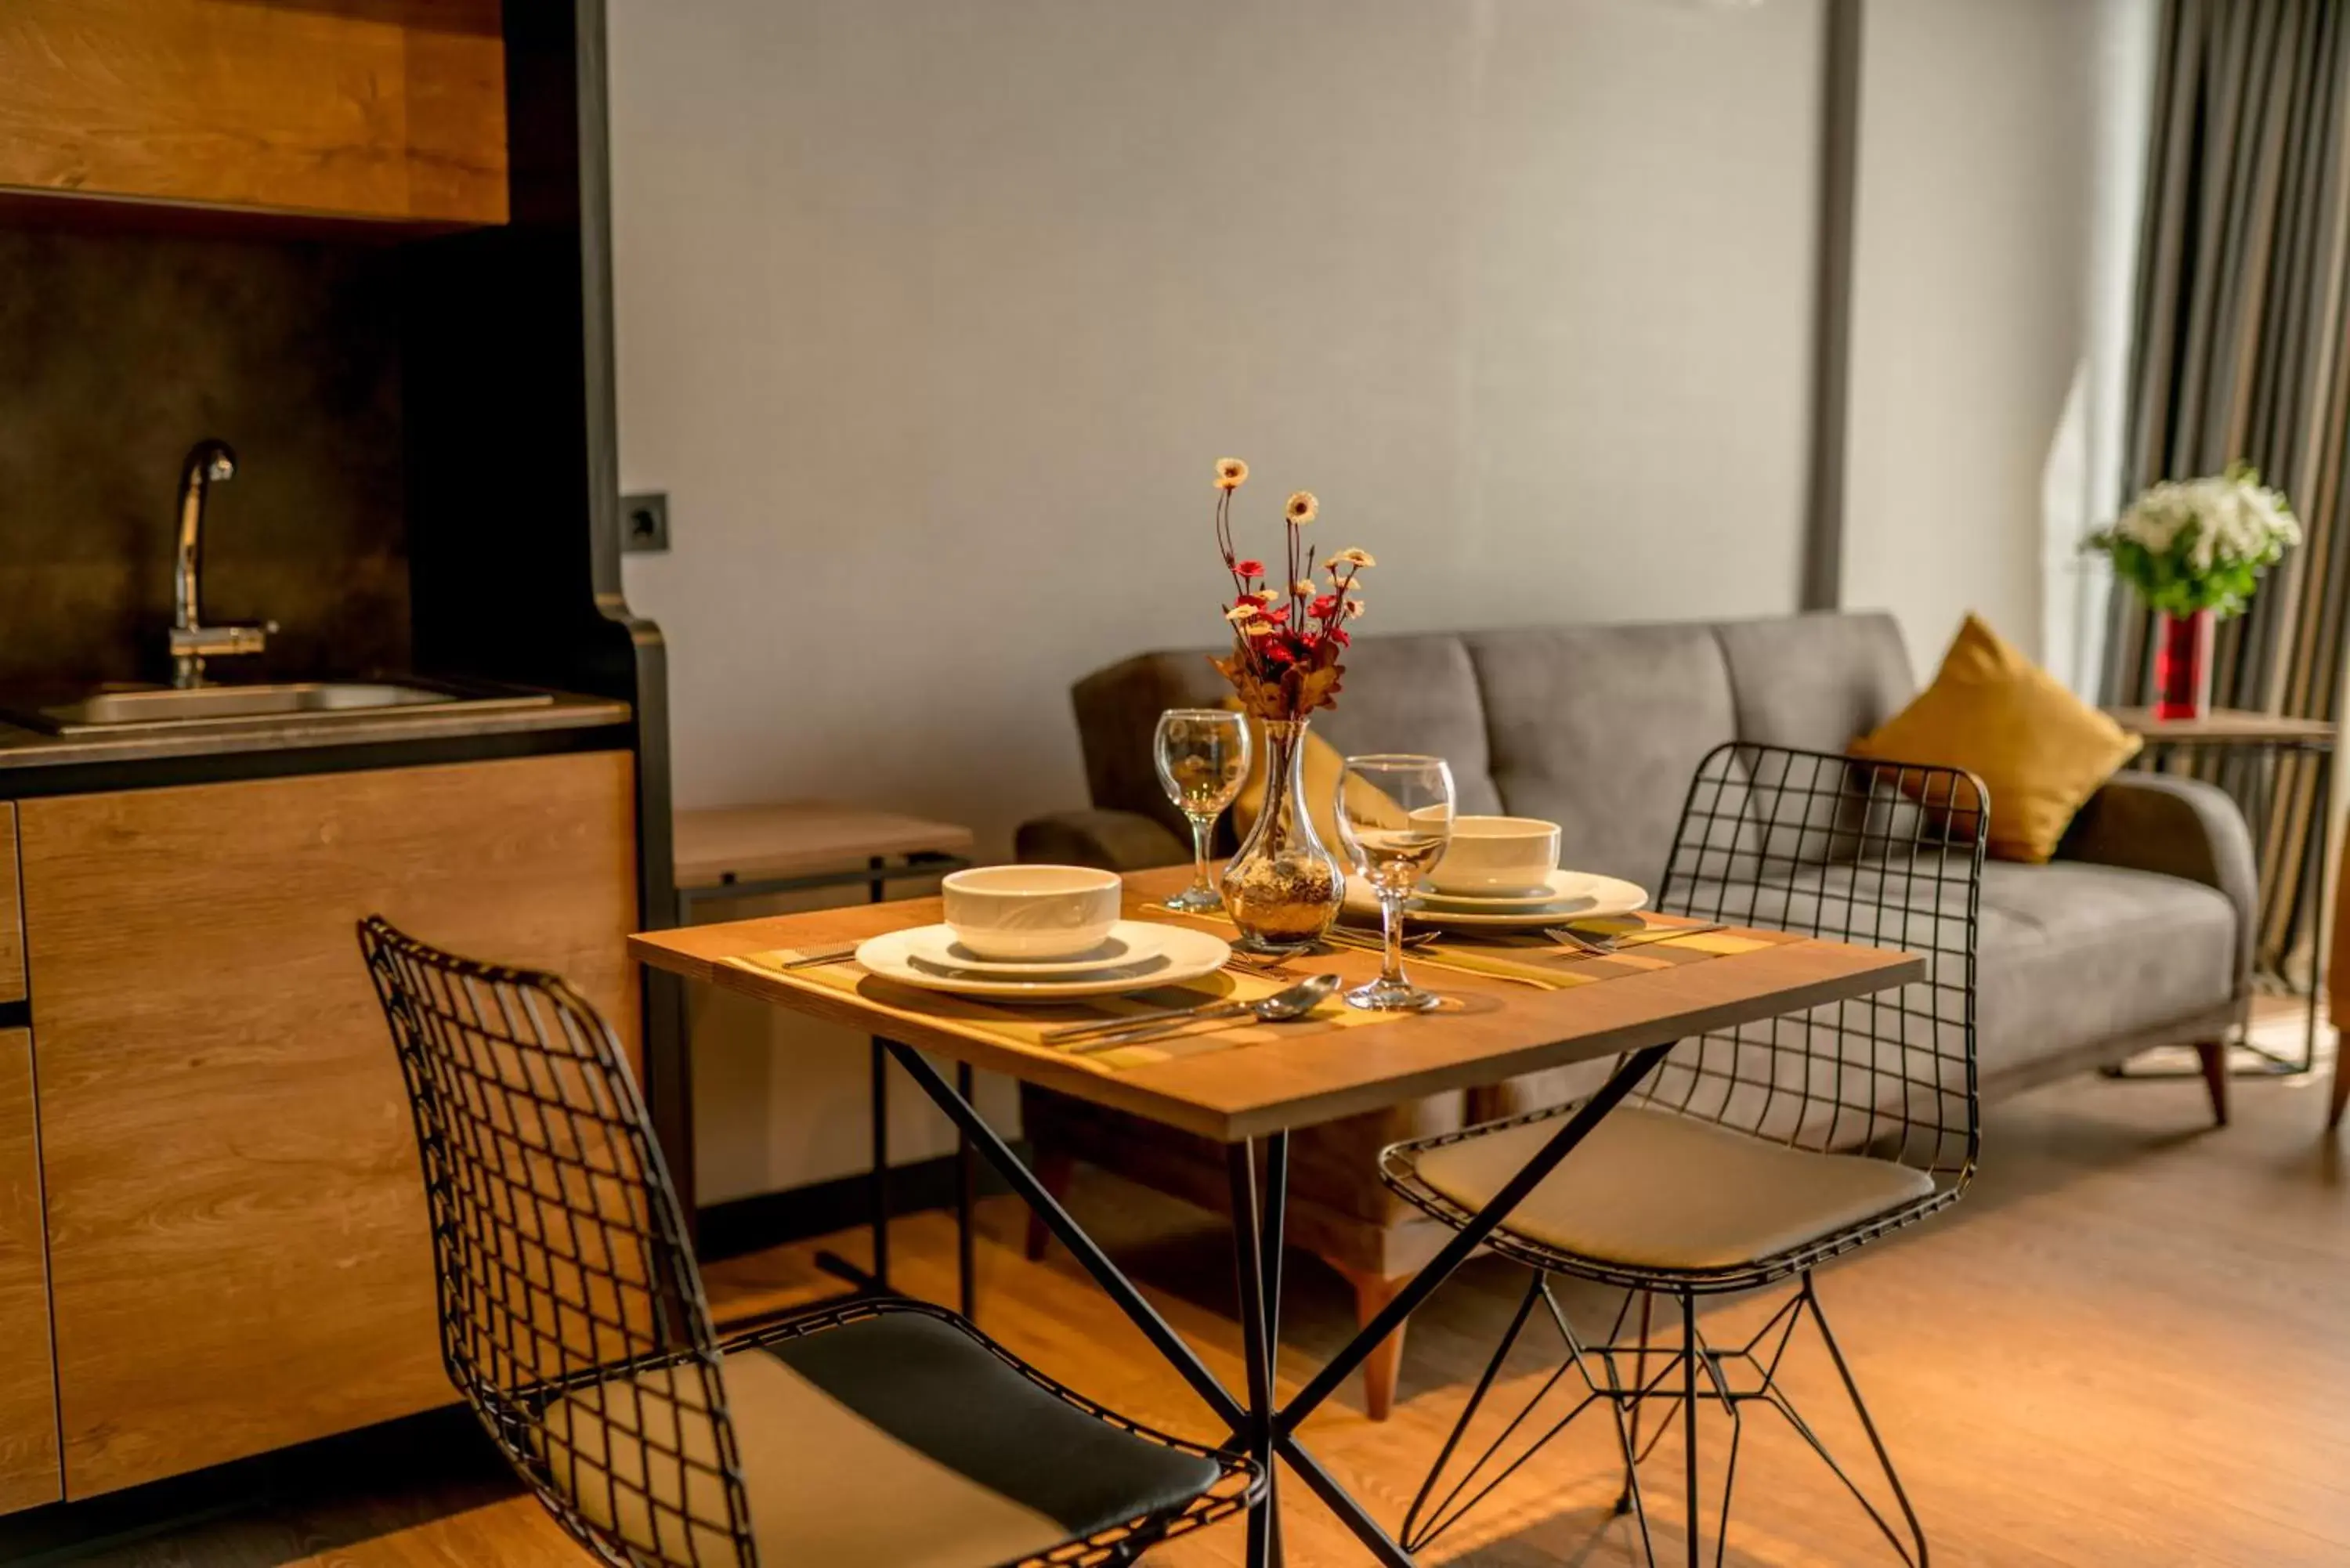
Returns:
(25,750)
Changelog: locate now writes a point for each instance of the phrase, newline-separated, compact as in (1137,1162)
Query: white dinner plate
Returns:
(1128,942)
(1558,888)
(1182,954)
(1574,895)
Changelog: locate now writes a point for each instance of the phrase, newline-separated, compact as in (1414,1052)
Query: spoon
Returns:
(1281,1007)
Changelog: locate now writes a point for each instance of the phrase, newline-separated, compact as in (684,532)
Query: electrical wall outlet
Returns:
(644,522)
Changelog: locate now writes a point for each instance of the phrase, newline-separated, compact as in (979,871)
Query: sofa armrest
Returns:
(2180,827)
(1113,840)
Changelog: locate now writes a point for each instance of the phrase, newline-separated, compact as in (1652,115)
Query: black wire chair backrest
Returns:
(572,1317)
(1880,854)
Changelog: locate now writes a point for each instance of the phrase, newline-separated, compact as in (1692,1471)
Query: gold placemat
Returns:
(1532,959)
(1025,1024)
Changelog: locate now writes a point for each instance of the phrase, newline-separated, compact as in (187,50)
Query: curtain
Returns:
(2240,353)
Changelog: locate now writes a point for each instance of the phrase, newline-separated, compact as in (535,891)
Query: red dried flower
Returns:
(1250,568)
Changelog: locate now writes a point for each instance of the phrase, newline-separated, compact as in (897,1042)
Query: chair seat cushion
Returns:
(1651,1189)
(894,1441)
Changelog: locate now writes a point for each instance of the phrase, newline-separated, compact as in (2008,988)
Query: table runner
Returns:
(1524,957)
(1532,959)
(1023,1024)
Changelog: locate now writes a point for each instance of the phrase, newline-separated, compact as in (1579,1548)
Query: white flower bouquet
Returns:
(2190,544)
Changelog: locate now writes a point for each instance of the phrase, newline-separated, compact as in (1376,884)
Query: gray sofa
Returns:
(2138,933)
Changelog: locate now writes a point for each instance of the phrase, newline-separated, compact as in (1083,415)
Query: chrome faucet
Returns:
(208,464)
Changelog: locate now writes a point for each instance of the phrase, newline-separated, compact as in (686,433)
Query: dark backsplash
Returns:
(120,350)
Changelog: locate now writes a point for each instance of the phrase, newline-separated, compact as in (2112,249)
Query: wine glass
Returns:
(1395,817)
(1202,755)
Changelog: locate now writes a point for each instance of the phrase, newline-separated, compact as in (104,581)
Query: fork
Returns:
(1371,942)
(813,958)
(1566,936)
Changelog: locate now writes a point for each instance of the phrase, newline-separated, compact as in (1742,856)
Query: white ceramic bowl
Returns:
(1496,854)
(1032,911)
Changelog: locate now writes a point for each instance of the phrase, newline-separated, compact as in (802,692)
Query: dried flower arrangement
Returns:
(1288,634)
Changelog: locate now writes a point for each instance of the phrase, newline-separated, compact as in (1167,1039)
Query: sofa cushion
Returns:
(2071,954)
(1599,729)
(1814,681)
(1416,694)
(2068,955)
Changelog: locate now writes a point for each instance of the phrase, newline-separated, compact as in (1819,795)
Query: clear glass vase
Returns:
(1283,889)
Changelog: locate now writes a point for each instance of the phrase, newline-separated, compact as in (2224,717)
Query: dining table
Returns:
(1515,1004)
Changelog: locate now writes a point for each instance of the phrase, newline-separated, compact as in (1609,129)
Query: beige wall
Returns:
(932,316)
(1997,209)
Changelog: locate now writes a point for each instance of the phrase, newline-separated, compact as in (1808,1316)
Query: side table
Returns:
(2275,738)
(798,846)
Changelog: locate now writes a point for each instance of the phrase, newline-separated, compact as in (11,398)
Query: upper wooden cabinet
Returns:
(385,110)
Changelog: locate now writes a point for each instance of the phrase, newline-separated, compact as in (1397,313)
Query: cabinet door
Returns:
(29,1390)
(237,1236)
(12,916)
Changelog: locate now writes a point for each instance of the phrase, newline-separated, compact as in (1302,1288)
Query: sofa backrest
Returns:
(1597,728)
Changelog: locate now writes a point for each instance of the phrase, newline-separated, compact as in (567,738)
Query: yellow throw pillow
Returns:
(1990,711)
(1322,766)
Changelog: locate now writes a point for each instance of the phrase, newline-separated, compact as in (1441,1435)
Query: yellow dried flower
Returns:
(1303,588)
(1354,609)
(1350,556)
(1231,473)
(1243,611)
(1304,508)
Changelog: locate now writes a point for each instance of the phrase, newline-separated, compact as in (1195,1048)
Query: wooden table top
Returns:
(1506,1029)
(755,843)
(2224,726)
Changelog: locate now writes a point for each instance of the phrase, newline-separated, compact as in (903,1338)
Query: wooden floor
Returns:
(2129,1347)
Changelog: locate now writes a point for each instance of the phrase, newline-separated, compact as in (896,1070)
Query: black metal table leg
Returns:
(2260,799)
(1088,1253)
(1472,1236)
(1263,1424)
(966,1191)
(1248,1270)
(2313,887)
(877,1278)
(1276,1219)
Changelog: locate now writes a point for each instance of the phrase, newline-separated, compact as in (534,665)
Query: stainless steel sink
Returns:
(165,707)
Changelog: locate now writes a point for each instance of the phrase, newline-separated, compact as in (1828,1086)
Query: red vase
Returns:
(2183,665)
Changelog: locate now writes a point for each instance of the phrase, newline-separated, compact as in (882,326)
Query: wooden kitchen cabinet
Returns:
(379,109)
(237,1241)
(29,1393)
(12,916)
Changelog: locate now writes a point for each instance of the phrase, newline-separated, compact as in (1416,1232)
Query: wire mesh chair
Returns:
(573,1322)
(1751,1155)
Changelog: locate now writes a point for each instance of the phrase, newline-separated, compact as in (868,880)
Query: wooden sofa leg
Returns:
(2338,1098)
(1372,1293)
(1055,1172)
(2213,1054)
